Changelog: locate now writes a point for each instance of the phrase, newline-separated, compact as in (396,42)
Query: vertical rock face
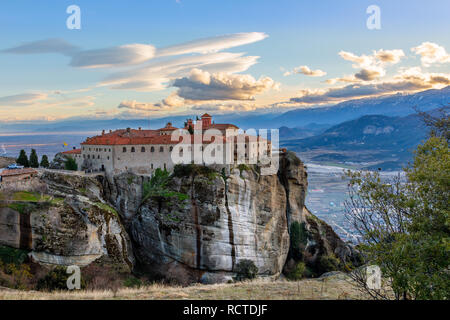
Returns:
(64,222)
(199,231)
(225,220)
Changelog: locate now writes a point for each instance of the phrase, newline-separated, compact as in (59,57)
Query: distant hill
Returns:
(373,141)
(392,105)
(309,118)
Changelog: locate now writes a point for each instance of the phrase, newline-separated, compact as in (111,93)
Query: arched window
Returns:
(152,149)
(124,149)
(132,149)
(170,149)
(161,149)
(143,149)
(98,157)
(89,156)
(151,166)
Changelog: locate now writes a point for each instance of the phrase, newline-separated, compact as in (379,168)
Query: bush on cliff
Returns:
(158,188)
(246,270)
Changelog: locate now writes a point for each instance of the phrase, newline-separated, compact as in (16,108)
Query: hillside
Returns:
(398,105)
(374,141)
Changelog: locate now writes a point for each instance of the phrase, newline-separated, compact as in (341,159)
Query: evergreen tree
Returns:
(23,159)
(71,164)
(34,161)
(44,161)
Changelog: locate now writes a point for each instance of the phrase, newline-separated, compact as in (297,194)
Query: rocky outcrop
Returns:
(62,227)
(196,228)
(222,222)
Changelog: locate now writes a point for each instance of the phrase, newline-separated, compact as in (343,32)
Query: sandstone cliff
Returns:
(204,225)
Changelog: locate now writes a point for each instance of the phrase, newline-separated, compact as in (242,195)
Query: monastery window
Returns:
(151,166)
(152,149)
(143,149)
(165,167)
(109,150)
(89,156)
(124,149)
(132,149)
(161,149)
(108,157)
(89,149)
(170,149)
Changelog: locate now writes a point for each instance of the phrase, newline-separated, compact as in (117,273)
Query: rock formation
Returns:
(205,223)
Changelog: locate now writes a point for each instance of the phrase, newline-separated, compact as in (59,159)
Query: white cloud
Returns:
(129,54)
(213,44)
(43,46)
(158,75)
(203,86)
(408,80)
(371,67)
(431,53)
(23,99)
(306,71)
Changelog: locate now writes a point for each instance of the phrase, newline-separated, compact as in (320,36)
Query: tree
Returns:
(71,164)
(44,161)
(34,161)
(404,223)
(23,159)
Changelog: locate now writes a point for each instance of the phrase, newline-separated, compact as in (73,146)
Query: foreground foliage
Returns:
(404,223)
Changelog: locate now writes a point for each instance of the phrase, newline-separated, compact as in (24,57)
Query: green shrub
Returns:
(246,269)
(11,255)
(299,238)
(56,279)
(132,282)
(71,164)
(327,263)
(298,272)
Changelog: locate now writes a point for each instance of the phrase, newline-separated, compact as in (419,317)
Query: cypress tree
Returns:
(44,161)
(23,159)
(34,161)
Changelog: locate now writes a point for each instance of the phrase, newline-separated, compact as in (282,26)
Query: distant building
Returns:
(14,175)
(143,151)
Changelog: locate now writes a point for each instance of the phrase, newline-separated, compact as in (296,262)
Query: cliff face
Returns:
(222,222)
(206,223)
(59,225)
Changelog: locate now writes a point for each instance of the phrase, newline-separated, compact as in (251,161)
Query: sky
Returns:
(135,59)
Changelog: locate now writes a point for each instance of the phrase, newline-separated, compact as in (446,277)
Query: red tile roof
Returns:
(206,116)
(134,137)
(16,172)
(74,151)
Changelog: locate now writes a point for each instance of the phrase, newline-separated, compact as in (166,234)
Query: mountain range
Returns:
(310,118)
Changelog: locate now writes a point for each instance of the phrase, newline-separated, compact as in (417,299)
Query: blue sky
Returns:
(343,58)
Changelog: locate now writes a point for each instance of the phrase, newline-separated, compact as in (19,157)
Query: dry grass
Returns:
(336,287)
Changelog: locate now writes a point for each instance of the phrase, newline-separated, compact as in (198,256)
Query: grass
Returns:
(335,287)
(106,207)
(27,196)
